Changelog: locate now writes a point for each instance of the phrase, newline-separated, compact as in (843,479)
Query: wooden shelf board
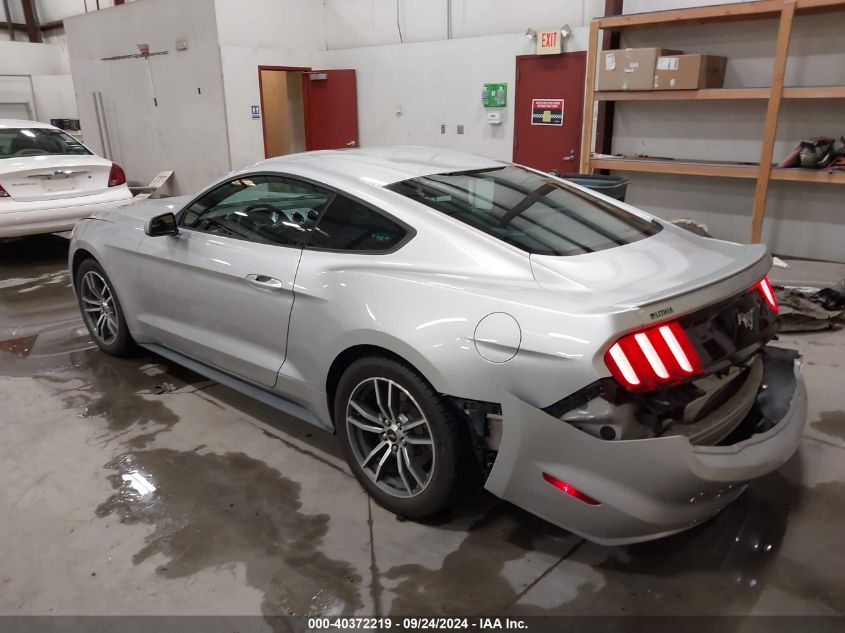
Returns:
(809,175)
(729,12)
(678,167)
(760,9)
(717,169)
(722,94)
(684,95)
(814,92)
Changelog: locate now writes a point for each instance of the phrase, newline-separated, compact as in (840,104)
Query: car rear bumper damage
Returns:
(645,488)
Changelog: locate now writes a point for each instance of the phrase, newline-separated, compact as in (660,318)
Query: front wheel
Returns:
(101,310)
(402,440)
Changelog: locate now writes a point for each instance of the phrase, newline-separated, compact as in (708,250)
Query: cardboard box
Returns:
(689,72)
(630,68)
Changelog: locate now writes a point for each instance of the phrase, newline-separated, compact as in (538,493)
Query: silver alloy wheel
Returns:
(390,437)
(98,307)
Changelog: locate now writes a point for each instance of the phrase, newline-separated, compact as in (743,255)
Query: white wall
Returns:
(40,75)
(186,130)
(433,83)
(803,220)
(356,23)
(270,33)
(435,80)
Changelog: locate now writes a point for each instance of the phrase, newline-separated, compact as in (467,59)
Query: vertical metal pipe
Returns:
(105,125)
(9,20)
(99,124)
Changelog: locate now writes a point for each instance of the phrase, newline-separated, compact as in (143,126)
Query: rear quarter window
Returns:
(347,225)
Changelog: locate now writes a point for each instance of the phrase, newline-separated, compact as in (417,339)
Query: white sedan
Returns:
(49,180)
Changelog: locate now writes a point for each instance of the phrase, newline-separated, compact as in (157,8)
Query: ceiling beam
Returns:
(31,21)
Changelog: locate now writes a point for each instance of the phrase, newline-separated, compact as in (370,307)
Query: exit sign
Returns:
(549,43)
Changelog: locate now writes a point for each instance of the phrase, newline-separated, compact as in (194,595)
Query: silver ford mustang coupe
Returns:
(458,320)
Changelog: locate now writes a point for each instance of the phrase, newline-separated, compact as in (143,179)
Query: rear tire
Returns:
(101,310)
(403,441)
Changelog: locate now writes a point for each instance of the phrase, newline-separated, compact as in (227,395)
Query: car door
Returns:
(224,285)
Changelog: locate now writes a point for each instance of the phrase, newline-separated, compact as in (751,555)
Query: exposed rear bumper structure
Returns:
(646,488)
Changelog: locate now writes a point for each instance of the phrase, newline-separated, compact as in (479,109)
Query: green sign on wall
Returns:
(495,95)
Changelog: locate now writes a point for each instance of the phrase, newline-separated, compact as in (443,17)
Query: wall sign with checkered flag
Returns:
(547,112)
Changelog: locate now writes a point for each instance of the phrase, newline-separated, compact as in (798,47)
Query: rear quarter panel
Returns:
(424,303)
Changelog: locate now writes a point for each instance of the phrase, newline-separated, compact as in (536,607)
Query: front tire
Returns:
(402,440)
(101,310)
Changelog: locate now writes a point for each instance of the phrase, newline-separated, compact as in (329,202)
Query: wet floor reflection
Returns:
(720,567)
(210,511)
(831,423)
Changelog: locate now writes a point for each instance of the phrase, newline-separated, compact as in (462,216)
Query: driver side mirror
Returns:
(164,224)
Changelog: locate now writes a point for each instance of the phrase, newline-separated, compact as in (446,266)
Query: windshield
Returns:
(16,142)
(528,210)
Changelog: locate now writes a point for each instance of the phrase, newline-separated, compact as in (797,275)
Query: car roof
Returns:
(381,166)
(21,123)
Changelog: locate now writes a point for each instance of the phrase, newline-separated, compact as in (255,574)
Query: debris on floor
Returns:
(693,226)
(809,309)
(165,387)
(832,298)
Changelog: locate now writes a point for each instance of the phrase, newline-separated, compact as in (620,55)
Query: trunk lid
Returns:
(670,273)
(51,177)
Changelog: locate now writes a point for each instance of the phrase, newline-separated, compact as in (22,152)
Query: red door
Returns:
(331,109)
(549,108)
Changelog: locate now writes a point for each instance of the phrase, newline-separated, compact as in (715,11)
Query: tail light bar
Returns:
(662,354)
(765,288)
(116,176)
(654,357)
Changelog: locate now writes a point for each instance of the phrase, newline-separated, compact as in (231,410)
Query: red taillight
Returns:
(651,358)
(570,490)
(4,193)
(765,287)
(116,175)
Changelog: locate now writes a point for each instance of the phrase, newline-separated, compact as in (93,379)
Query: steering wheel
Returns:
(30,152)
(264,206)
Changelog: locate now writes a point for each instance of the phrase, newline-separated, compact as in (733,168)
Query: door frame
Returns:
(516,109)
(304,69)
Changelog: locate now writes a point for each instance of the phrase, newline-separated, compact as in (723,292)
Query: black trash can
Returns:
(613,186)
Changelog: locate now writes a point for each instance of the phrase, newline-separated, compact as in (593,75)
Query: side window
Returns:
(349,226)
(265,209)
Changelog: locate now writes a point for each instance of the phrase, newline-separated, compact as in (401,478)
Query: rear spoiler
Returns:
(720,284)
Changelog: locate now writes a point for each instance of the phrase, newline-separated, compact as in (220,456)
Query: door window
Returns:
(265,209)
(349,226)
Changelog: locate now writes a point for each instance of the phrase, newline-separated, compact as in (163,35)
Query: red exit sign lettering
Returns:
(548,43)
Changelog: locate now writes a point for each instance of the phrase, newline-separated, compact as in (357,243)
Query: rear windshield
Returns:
(535,213)
(15,142)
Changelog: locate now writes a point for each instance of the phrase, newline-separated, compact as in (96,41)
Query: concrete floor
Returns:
(256,514)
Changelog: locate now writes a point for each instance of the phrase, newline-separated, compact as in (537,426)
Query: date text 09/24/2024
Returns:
(417,623)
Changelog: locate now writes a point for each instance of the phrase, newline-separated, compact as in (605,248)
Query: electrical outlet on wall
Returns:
(460,129)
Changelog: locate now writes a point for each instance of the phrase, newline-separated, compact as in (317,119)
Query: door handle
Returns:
(350,144)
(568,158)
(264,282)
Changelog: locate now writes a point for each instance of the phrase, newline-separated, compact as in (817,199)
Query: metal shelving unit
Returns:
(784,11)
